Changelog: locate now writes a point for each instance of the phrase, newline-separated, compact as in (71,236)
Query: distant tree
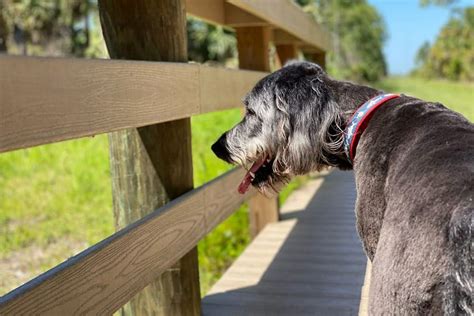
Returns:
(422,54)
(47,27)
(359,34)
(207,42)
(452,54)
(437,2)
(72,28)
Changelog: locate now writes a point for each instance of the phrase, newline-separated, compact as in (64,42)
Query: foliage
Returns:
(72,28)
(452,54)
(359,34)
(437,2)
(60,194)
(207,42)
(49,27)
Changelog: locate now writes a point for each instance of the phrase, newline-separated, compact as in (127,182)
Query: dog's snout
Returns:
(220,148)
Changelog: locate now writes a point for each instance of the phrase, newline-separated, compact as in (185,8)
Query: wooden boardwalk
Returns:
(310,263)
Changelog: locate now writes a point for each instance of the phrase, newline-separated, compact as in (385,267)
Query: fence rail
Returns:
(104,277)
(45,100)
(291,25)
(70,98)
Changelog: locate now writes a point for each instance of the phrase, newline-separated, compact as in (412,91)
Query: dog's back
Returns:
(424,153)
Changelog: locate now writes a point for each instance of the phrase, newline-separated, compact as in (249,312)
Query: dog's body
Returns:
(414,173)
(415,178)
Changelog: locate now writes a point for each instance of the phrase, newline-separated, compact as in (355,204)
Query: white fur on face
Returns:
(245,147)
(289,118)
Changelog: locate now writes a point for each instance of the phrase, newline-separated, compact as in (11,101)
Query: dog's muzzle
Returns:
(220,148)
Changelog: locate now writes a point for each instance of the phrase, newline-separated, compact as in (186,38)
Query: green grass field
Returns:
(458,96)
(56,199)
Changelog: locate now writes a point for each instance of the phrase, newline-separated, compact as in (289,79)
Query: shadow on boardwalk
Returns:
(310,263)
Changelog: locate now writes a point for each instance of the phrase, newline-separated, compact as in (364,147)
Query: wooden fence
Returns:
(45,100)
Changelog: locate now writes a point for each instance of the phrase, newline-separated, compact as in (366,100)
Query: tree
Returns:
(207,42)
(452,54)
(422,54)
(437,2)
(48,27)
(359,34)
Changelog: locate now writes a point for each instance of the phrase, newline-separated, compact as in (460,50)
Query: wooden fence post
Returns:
(319,58)
(286,52)
(253,46)
(153,164)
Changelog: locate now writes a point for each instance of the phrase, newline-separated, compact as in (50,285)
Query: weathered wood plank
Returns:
(253,44)
(283,15)
(286,15)
(286,52)
(211,11)
(102,278)
(223,88)
(45,100)
(275,310)
(308,299)
(147,170)
(299,266)
(294,288)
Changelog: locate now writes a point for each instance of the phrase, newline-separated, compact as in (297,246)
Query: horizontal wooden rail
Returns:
(104,277)
(291,24)
(45,100)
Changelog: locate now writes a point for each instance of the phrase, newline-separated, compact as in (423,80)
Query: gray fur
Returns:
(414,173)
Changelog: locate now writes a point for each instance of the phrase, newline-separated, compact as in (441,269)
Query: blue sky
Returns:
(409,25)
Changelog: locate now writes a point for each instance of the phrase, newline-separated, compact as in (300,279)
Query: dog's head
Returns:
(289,127)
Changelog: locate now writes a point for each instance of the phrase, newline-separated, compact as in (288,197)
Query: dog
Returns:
(414,171)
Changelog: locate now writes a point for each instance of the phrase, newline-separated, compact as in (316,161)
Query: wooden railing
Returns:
(45,100)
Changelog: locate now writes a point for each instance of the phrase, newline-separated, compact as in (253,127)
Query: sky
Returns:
(408,26)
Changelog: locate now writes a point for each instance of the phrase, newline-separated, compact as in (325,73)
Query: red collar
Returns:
(359,121)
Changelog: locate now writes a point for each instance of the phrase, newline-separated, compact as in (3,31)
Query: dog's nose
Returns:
(220,148)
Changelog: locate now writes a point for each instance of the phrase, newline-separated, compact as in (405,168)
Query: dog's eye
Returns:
(250,112)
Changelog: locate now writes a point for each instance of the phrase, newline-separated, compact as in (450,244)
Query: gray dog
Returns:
(414,172)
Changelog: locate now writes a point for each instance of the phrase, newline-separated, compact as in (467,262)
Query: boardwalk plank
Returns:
(310,263)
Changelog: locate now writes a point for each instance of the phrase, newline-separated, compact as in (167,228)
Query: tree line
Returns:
(451,56)
(72,28)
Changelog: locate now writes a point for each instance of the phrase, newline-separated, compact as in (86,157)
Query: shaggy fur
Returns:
(414,173)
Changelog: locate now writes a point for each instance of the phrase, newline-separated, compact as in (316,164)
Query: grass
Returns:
(56,199)
(458,96)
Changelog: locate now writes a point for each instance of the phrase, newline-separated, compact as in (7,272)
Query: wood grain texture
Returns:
(283,37)
(286,52)
(253,45)
(263,210)
(45,100)
(236,17)
(222,88)
(104,277)
(286,15)
(160,168)
(283,15)
(211,11)
(222,13)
